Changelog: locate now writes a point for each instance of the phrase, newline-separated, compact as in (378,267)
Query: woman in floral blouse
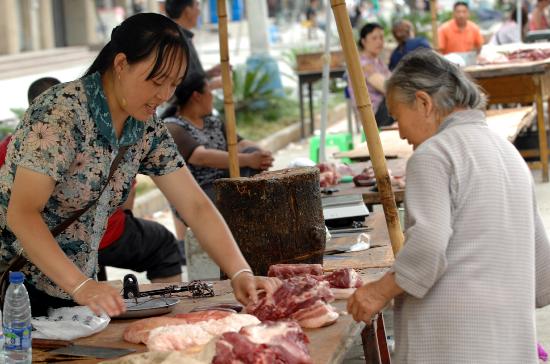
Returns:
(59,160)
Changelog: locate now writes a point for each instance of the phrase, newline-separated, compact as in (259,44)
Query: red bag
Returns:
(4,149)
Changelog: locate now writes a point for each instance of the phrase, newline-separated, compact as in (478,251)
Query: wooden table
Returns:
(393,145)
(508,123)
(327,345)
(524,82)
(370,197)
(309,78)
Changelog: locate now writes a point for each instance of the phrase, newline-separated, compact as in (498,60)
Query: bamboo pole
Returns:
(366,114)
(229,107)
(433,10)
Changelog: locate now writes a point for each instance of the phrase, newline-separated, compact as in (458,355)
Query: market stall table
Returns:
(522,82)
(327,345)
(370,195)
(508,123)
(309,78)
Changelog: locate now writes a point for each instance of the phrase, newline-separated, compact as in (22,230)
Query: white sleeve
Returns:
(422,260)
(542,260)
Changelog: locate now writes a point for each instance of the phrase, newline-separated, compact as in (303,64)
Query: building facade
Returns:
(31,25)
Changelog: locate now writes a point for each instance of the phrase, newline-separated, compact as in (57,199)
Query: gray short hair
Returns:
(426,70)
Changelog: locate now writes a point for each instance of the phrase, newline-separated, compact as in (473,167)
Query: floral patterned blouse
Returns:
(67,134)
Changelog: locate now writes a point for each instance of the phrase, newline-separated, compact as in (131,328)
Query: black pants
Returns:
(382,115)
(145,246)
(40,301)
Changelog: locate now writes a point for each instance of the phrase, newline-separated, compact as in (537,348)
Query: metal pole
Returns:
(324,103)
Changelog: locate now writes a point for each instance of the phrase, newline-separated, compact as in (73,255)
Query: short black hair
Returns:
(460,3)
(174,8)
(140,36)
(39,86)
(366,30)
(524,17)
(194,82)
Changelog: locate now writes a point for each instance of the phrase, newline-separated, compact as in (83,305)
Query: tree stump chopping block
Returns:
(275,217)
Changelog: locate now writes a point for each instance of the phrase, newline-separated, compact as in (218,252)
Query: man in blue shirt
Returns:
(403,33)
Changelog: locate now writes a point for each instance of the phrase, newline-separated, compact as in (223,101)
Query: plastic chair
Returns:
(343,141)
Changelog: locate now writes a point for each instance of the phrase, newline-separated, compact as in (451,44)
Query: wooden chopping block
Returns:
(275,217)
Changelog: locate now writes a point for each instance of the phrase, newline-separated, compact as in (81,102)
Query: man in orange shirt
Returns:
(459,34)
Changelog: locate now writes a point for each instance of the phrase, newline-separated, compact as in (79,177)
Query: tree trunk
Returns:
(275,217)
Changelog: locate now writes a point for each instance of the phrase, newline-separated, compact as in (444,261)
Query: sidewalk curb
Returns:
(154,200)
(291,133)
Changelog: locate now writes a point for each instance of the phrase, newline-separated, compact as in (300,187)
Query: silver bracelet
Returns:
(80,286)
(242,271)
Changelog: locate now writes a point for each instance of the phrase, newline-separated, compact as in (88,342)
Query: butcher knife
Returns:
(92,351)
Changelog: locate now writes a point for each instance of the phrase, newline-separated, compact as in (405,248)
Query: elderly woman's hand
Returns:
(246,287)
(370,299)
(366,302)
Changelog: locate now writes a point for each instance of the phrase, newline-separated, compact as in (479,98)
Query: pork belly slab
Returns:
(340,278)
(285,271)
(192,337)
(269,342)
(138,331)
(304,296)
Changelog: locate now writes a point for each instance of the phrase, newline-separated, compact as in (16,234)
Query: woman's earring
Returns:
(123,102)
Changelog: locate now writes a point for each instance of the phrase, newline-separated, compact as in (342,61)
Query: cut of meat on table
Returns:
(138,331)
(296,295)
(192,337)
(341,278)
(285,271)
(270,342)
(194,317)
(344,278)
(318,315)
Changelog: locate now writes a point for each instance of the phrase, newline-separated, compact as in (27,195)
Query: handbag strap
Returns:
(66,223)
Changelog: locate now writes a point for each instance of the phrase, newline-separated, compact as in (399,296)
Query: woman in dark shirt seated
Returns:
(201,140)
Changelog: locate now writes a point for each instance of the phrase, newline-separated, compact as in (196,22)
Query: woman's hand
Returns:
(260,159)
(246,287)
(366,302)
(100,298)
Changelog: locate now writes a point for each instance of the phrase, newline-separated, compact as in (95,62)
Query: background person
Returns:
(403,32)
(60,157)
(201,140)
(475,246)
(537,19)
(509,32)
(186,14)
(459,34)
(371,45)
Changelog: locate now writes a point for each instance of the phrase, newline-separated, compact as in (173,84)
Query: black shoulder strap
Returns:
(65,224)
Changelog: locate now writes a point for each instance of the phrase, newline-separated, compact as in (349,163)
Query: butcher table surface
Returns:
(327,345)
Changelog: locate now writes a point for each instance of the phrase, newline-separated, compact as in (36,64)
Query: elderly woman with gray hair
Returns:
(476,258)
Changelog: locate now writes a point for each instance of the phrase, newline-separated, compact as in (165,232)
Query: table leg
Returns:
(368,336)
(543,143)
(301,97)
(382,341)
(311,116)
(375,345)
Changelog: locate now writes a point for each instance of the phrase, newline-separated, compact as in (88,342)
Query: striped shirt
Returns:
(476,259)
